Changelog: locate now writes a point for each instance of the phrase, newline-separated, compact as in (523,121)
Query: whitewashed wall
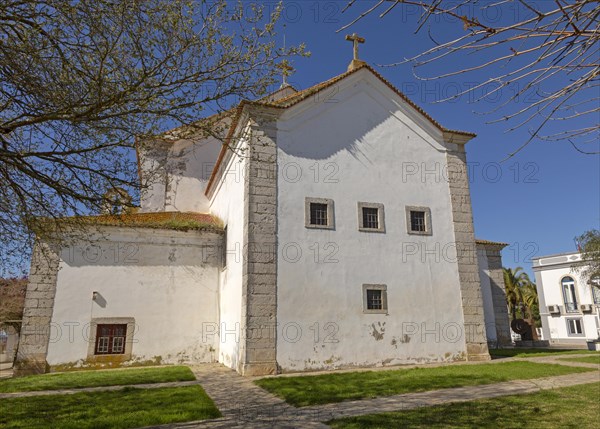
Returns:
(352,147)
(176,173)
(227,204)
(486,293)
(166,280)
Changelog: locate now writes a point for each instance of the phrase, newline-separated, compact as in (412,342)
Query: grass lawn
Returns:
(71,380)
(328,388)
(568,407)
(125,408)
(586,359)
(523,352)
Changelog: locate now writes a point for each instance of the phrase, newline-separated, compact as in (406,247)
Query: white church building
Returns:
(313,236)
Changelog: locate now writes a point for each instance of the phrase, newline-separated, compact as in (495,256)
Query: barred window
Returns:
(371,217)
(318,214)
(374,300)
(417,221)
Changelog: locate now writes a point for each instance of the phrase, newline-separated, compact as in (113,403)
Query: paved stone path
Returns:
(245,405)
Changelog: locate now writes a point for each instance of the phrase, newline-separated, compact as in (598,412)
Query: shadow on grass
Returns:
(79,379)
(523,352)
(122,409)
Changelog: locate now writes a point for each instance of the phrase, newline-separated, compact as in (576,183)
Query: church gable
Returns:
(320,97)
(359,116)
(327,92)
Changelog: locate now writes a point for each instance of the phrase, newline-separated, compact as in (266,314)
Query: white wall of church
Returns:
(486,293)
(548,276)
(179,183)
(352,145)
(227,204)
(165,280)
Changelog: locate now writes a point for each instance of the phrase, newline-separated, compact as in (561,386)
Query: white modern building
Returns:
(344,215)
(568,303)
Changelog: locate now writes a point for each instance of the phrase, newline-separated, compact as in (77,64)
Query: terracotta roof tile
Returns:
(494,243)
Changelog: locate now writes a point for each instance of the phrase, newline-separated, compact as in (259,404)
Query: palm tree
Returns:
(521,294)
(513,283)
(530,297)
(531,302)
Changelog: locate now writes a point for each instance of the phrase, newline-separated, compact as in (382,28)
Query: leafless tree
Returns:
(547,52)
(80,79)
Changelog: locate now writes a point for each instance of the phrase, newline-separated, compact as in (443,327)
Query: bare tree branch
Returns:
(549,51)
(80,80)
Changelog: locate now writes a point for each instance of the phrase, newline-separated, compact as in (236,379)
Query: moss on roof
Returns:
(178,221)
(493,243)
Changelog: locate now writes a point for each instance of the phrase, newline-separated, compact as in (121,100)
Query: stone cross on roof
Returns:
(286,70)
(355,39)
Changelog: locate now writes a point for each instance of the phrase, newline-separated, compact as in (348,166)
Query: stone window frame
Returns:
(330,212)
(127,354)
(384,298)
(568,319)
(380,217)
(428,227)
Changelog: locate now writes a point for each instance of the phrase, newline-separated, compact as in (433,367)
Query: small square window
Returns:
(371,217)
(110,339)
(575,327)
(418,220)
(375,299)
(318,213)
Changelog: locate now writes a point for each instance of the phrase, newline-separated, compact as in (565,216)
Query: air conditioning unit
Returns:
(586,308)
(553,309)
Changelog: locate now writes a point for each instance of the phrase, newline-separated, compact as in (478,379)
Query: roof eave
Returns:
(457,137)
(490,243)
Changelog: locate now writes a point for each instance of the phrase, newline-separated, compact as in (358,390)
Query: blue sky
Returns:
(537,201)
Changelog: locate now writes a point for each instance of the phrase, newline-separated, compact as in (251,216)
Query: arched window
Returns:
(570,298)
(595,284)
